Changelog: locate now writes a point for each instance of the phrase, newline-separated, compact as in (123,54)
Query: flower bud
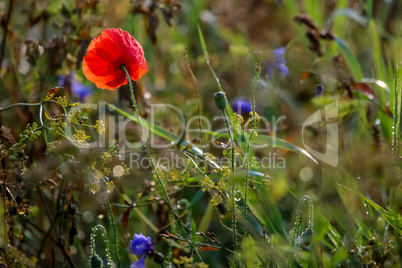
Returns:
(220,100)
(319,90)
(307,237)
(257,56)
(96,262)
(158,257)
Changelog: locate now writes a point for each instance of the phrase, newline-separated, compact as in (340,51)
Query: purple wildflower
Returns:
(242,106)
(278,53)
(139,264)
(62,80)
(319,90)
(278,63)
(78,88)
(140,245)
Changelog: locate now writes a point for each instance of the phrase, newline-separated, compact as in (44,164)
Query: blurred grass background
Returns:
(360,69)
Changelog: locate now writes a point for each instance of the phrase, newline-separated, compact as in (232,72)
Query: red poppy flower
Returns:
(107,53)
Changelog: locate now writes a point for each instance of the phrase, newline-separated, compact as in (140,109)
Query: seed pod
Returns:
(257,56)
(307,237)
(220,100)
(158,257)
(96,262)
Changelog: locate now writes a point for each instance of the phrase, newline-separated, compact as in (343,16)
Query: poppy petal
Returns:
(107,53)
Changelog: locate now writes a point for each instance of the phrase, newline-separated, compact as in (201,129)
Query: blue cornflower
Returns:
(278,63)
(139,264)
(140,245)
(242,106)
(319,90)
(62,80)
(278,53)
(78,88)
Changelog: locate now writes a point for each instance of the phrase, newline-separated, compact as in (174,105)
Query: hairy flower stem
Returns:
(233,183)
(146,144)
(99,228)
(258,68)
(164,192)
(116,246)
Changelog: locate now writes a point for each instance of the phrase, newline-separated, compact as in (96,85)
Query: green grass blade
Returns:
(353,64)
(314,10)
(394,219)
(347,12)
(353,210)
(379,65)
(268,140)
(250,251)
(204,49)
(194,232)
(369,9)
(202,41)
(397,94)
(266,210)
(282,144)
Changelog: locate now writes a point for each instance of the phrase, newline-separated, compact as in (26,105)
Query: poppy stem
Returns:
(165,194)
(146,144)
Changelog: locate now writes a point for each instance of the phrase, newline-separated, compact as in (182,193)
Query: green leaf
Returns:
(353,211)
(196,198)
(378,61)
(330,232)
(394,218)
(266,210)
(268,140)
(194,233)
(353,63)
(202,41)
(282,144)
(350,13)
(397,93)
(206,218)
(204,49)
(250,253)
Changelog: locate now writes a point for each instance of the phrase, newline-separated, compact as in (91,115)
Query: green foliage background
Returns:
(55,209)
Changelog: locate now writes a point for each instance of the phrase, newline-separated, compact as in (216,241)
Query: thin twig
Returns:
(19,104)
(49,215)
(65,254)
(186,67)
